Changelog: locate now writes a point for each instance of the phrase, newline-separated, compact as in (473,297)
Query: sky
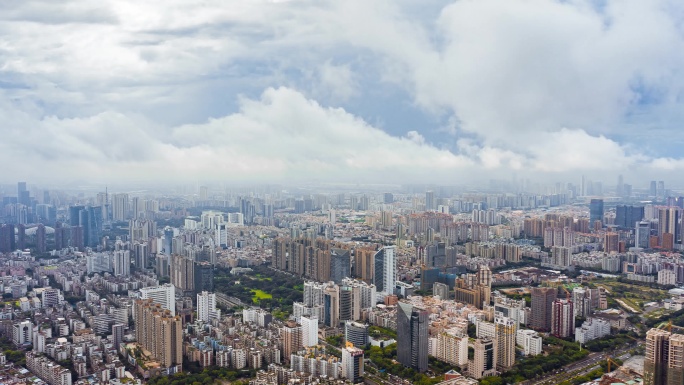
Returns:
(382,91)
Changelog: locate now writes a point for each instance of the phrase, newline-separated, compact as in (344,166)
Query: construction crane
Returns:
(608,361)
(669,326)
(567,293)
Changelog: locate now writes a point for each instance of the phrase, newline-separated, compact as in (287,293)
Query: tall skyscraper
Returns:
(484,358)
(23,196)
(160,333)
(6,238)
(117,335)
(385,269)
(203,277)
(562,318)
(542,302)
(668,223)
(21,236)
(331,305)
(653,191)
(120,207)
(660,192)
(642,235)
(430,201)
(356,333)
(309,331)
(505,330)
(352,363)
(610,242)
(40,238)
(627,216)
(206,307)
(412,337)
(164,295)
(657,357)
(122,263)
(596,211)
(292,338)
(340,265)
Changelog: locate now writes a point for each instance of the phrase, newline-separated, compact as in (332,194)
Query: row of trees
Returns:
(208,376)
(565,352)
(385,360)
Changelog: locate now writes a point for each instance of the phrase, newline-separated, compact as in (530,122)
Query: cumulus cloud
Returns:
(133,89)
(281,136)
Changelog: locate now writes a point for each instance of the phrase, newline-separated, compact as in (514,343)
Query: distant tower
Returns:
(430,201)
(40,238)
(596,211)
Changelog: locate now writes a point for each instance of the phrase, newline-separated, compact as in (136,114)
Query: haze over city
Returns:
(352,91)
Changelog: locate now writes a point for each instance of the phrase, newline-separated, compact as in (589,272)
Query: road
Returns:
(578,368)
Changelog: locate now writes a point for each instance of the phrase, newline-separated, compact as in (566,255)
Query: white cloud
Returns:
(535,85)
(281,136)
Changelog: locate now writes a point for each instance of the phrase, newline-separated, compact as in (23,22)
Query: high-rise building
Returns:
(7,240)
(23,194)
(340,264)
(388,198)
(668,223)
(41,238)
(22,333)
(505,330)
(122,263)
(352,363)
(656,360)
(21,236)
(452,347)
(643,234)
(331,305)
(164,295)
(120,207)
(356,333)
(412,337)
(206,307)
(309,331)
(475,289)
(385,269)
(627,216)
(182,273)
(160,333)
(542,302)
(660,192)
(484,358)
(441,290)
(364,268)
(292,338)
(610,242)
(596,211)
(430,201)
(562,318)
(117,335)
(653,191)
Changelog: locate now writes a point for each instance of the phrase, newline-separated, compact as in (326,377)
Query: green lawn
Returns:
(259,295)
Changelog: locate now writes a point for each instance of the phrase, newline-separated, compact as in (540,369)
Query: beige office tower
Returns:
(484,358)
(656,360)
(505,341)
(159,332)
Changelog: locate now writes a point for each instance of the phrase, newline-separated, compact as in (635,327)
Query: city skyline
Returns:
(300,91)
